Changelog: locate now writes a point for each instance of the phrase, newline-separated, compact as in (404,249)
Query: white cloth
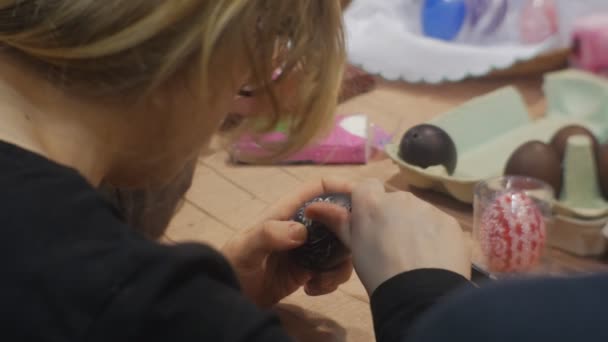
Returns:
(383,38)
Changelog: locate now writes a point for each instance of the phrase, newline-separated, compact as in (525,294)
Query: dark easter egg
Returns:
(322,250)
(537,160)
(428,145)
(560,139)
(602,165)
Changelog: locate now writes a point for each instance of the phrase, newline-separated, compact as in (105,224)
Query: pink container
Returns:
(591,43)
(350,142)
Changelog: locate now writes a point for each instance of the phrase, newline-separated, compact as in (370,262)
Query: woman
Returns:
(127,93)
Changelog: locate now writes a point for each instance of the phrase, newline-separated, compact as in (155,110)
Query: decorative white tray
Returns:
(381,40)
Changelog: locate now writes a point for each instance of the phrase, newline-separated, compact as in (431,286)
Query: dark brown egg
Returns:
(322,250)
(560,139)
(428,145)
(537,160)
(602,168)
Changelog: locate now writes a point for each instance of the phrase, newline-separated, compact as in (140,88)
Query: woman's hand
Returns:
(391,233)
(259,254)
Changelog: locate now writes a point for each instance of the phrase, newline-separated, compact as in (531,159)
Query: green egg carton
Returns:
(488,129)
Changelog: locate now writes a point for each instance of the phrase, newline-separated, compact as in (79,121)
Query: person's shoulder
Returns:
(37,191)
(536,309)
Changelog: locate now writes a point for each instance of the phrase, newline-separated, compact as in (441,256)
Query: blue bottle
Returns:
(443,19)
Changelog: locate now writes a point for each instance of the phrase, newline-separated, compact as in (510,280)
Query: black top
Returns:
(556,310)
(73,271)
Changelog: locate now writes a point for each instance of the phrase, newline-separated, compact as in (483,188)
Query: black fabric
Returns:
(72,271)
(398,302)
(557,310)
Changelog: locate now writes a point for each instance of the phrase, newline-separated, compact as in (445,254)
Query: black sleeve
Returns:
(557,309)
(204,309)
(398,302)
(183,293)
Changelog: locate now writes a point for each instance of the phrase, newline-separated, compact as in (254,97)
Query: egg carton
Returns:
(488,129)
(577,236)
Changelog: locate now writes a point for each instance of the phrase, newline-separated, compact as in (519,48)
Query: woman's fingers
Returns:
(286,207)
(271,236)
(367,191)
(336,185)
(327,282)
(335,217)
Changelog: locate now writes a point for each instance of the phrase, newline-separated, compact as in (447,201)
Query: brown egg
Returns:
(537,160)
(602,168)
(428,145)
(560,139)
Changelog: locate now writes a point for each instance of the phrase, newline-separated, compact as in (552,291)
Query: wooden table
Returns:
(226,198)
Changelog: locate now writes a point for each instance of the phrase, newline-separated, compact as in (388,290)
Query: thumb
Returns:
(335,217)
(272,236)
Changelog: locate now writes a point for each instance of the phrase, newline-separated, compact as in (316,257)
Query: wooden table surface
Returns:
(226,198)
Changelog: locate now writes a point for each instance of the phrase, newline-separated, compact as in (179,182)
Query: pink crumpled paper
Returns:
(352,141)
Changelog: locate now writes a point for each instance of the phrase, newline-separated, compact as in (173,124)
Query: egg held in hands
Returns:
(322,250)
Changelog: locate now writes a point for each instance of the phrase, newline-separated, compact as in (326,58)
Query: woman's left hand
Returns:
(259,254)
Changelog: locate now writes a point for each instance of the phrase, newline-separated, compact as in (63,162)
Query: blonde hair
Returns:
(131,47)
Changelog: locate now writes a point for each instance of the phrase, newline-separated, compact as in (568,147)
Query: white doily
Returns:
(382,39)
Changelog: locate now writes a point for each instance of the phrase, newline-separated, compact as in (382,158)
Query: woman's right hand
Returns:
(392,233)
